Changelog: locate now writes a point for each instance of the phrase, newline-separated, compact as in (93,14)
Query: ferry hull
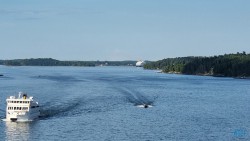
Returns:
(22,117)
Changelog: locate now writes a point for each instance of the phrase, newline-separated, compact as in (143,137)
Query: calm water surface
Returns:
(100,103)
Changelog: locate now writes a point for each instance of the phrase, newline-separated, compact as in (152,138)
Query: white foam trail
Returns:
(143,106)
(17,120)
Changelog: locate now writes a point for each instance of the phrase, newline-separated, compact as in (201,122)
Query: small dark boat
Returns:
(145,106)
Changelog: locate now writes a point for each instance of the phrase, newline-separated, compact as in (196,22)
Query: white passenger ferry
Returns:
(21,108)
(140,64)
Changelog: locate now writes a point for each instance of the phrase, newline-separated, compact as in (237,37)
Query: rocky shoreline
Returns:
(205,74)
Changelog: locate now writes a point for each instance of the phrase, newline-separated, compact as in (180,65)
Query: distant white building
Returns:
(139,64)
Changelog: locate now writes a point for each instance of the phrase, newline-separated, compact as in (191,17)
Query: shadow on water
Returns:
(136,98)
(5,78)
(58,78)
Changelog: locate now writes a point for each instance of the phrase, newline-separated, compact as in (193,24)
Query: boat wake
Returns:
(136,98)
(144,106)
(17,120)
(58,109)
(76,107)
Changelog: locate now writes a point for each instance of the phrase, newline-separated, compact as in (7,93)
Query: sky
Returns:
(108,30)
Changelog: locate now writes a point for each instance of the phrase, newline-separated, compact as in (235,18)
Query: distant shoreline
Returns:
(54,62)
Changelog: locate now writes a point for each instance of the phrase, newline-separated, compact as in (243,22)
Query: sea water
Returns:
(101,103)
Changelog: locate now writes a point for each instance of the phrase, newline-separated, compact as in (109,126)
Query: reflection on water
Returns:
(17,131)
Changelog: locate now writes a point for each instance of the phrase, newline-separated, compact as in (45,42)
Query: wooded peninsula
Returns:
(228,65)
(54,62)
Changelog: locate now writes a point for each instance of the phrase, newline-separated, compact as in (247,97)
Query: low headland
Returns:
(54,62)
(227,65)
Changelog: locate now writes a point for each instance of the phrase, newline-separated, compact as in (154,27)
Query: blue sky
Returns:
(122,29)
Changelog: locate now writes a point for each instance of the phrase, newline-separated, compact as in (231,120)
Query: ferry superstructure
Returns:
(22,108)
(140,64)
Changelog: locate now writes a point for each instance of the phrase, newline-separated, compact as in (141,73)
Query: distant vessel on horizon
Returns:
(140,63)
(22,108)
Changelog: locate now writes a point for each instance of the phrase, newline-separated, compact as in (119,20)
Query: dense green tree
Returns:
(230,65)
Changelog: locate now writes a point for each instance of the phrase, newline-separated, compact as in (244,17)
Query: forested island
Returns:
(54,62)
(228,65)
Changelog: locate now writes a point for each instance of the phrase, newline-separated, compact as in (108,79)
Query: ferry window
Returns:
(14,101)
(28,102)
(21,102)
(14,108)
(25,108)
